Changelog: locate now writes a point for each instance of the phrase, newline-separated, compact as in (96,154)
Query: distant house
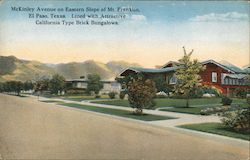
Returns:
(81,85)
(225,77)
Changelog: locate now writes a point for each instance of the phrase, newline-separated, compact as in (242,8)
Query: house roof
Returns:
(229,67)
(170,62)
(237,76)
(149,70)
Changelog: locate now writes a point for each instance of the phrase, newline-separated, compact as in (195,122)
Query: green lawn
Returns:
(190,110)
(169,102)
(217,128)
(196,105)
(115,102)
(83,97)
(118,112)
(50,101)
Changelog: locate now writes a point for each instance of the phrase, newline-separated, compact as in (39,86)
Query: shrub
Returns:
(111,95)
(240,92)
(141,93)
(197,93)
(122,95)
(226,101)
(248,100)
(216,110)
(97,96)
(211,90)
(237,120)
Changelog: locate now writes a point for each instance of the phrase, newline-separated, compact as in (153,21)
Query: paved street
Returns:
(36,130)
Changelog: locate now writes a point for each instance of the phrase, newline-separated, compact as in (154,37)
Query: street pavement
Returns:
(30,129)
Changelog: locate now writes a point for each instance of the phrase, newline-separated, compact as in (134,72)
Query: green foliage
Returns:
(211,90)
(111,95)
(122,94)
(57,83)
(124,81)
(42,85)
(161,84)
(187,75)
(240,92)
(248,100)
(12,86)
(141,93)
(237,120)
(28,85)
(94,83)
(226,101)
(97,96)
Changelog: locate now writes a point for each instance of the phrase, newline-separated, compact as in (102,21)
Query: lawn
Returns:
(190,110)
(196,105)
(217,128)
(50,101)
(115,102)
(83,97)
(118,112)
(169,102)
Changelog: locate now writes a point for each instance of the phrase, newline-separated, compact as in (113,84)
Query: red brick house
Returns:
(224,77)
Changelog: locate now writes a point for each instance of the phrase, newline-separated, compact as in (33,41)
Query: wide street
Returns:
(30,129)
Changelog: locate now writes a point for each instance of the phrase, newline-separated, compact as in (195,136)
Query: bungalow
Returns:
(225,77)
(80,85)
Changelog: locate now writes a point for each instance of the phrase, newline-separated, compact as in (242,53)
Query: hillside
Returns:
(12,68)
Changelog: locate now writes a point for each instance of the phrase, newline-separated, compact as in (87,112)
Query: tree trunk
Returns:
(187,102)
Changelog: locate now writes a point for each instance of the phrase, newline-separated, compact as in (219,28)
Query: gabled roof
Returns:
(148,70)
(247,69)
(227,66)
(170,62)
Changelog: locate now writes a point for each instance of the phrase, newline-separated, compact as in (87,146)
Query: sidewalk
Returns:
(181,118)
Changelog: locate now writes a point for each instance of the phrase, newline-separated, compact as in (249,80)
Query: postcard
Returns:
(124,80)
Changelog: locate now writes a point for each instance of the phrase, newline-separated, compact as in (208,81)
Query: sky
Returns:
(217,30)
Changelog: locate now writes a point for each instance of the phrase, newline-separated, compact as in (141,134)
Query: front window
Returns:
(173,80)
(214,77)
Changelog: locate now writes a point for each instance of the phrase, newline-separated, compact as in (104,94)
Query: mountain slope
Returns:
(12,68)
(106,71)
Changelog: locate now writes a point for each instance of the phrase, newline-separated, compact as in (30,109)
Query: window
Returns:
(173,80)
(214,77)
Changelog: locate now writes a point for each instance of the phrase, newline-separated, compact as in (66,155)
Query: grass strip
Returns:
(118,112)
(189,110)
(217,128)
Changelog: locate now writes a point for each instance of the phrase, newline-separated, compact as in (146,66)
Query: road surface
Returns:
(36,130)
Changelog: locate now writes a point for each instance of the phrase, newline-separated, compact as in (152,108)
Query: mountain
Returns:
(117,66)
(12,68)
(107,71)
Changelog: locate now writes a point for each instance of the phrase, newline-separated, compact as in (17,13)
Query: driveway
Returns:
(35,130)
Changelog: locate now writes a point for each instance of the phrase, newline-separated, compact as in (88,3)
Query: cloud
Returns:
(138,18)
(224,17)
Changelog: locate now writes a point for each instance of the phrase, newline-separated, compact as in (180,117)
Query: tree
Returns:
(41,85)
(187,75)
(28,85)
(94,83)
(18,87)
(161,84)
(57,84)
(141,93)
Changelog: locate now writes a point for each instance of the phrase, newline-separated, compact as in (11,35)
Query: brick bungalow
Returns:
(224,77)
